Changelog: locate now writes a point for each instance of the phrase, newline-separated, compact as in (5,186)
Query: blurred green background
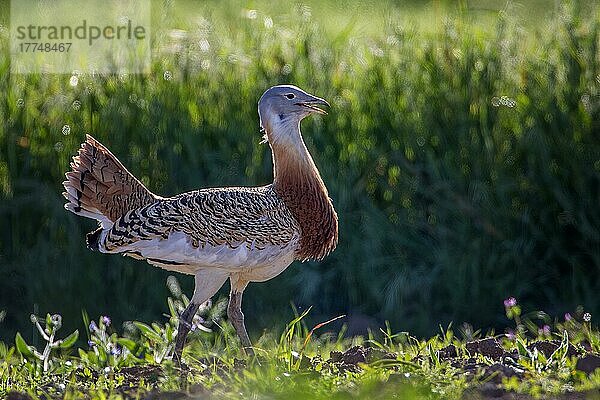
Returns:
(462,152)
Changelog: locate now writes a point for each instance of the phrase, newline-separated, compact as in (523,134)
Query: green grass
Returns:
(299,363)
(462,157)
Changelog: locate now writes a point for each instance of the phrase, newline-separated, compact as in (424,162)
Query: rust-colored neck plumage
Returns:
(298,183)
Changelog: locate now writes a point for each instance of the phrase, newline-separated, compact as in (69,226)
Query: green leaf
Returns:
(93,359)
(560,354)
(169,332)
(70,340)
(171,304)
(522,348)
(185,300)
(82,354)
(541,357)
(148,331)
(156,328)
(9,354)
(129,344)
(86,322)
(48,321)
(102,356)
(433,354)
(22,347)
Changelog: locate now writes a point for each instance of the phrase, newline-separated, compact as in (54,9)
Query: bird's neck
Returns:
(298,183)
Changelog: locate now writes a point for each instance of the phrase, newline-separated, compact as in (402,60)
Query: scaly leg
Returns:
(235,314)
(207,283)
(185,325)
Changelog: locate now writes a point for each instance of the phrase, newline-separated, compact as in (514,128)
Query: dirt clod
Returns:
(335,356)
(588,363)
(547,347)
(150,374)
(18,396)
(488,347)
(490,390)
(354,355)
(351,358)
(447,353)
(544,347)
(496,372)
(239,364)
(306,362)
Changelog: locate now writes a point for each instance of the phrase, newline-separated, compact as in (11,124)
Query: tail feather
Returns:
(92,240)
(100,187)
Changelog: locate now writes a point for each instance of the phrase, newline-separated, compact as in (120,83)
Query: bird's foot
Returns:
(180,364)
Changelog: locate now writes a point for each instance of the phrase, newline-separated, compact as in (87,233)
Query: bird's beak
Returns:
(312,104)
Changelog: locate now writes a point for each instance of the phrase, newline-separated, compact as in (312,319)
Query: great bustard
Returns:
(246,234)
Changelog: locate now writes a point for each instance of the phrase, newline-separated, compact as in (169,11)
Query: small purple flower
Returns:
(115,351)
(510,302)
(106,320)
(93,327)
(197,322)
(510,335)
(568,317)
(91,344)
(544,331)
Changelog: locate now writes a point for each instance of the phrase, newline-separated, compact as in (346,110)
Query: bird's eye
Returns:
(290,95)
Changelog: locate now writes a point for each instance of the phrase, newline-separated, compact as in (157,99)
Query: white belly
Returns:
(177,254)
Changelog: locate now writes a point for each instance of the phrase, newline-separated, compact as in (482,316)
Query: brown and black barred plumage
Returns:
(246,234)
(100,186)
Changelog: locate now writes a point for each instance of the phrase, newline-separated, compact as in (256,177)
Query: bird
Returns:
(244,234)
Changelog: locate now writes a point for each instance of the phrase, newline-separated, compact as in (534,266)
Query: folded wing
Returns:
(225,227)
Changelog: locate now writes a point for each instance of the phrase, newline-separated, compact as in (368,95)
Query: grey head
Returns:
(282,107)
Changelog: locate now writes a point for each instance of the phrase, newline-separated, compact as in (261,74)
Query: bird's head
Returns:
(281,108)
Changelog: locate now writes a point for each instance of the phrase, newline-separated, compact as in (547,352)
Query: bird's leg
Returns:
(236,316)
(185,325)
(206,285)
